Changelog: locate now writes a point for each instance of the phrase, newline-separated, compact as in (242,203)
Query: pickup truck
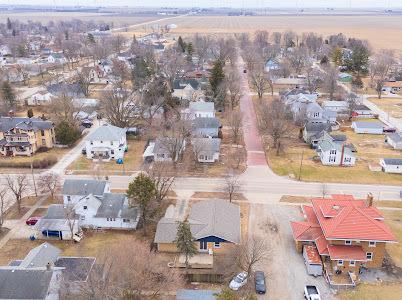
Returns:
(311,292)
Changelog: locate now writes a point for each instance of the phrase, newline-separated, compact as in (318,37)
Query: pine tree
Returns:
(185,240)
(9,24)
(190,52)
(66,133)
(337,56)
(91,38)
(217,76)
(181,44)
(30,113)
(8,95)
(142,192)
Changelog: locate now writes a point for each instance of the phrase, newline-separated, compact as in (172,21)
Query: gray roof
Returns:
(396,137)
(73,89)
(317,127)
(8,123)
(24,283)
(206,123)
(83,187)
(313,107)
(365,124)
(166,144)
(393,161)
(217,218)
(196,294)
(338,137)
(182,83)
(111,205)
(207,144)
(362,107)
(55,211)
(326,145)
(202,106)
(40,256)
(107,132)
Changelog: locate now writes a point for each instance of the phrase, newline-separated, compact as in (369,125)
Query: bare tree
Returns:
(235,123)
(163,176)
(275,121)
(72,219)
(232,83)
(83,78)
(49,182)
(18,185)
(259,81)
(313,78)
(331,81)
(379,69)
(62,108)
(261,39)
(3,193)
(251,252)
(117,42)
(232,184)
(277,38)
(174,140)
(298,59)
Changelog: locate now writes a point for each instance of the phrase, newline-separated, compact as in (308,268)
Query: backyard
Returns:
(391,106)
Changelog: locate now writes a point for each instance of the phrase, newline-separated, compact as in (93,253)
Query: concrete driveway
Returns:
(284,270)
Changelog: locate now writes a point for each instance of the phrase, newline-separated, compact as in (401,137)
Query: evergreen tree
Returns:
(185,240)
(8,95)
(66,133)
(359,60)
(190,52)
(91,38)
(217,76)
(182,44)
(9,24)
(337,56)
(30,113)
(324,60)
(142,192)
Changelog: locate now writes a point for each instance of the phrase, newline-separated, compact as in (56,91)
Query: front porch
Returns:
(101,154)
(337,278)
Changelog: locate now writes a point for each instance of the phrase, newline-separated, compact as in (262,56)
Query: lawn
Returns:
(390,105)
(370,149)
(372,292)
(132,161)
(394,220)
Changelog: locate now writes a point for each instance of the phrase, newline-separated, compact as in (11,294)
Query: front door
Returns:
(203,246)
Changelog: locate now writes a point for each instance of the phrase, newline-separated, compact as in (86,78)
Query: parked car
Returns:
(389,129)
(87,123)
(260,285)
(238,281)
(84,151)
(78,236)
(244,71)
(311,292)
(32,221)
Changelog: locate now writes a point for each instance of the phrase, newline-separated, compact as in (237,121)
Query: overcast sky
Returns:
(217,3)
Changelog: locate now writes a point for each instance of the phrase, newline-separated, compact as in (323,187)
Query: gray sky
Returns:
(217,3)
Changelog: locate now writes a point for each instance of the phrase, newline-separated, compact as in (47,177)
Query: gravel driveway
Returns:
(285,271)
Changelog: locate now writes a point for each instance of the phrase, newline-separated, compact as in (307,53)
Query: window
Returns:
(85,207)
(340,262)
(42,132)
(372,244)
(82,217)
(111,151)
(43,142)
(332,151)
(111,143)
(101,142)
(369,255)
(217,245)
(91,142)
(347,159)
(352,263)
(126,220)
(348,242)
(203,246)
(68,198)
(332,159)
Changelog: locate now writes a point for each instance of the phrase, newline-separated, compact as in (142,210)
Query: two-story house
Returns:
(206,127)
(198,109)
(184,89)
(335,154)
(24,136)
(75,189)
(106,142)
(350,236)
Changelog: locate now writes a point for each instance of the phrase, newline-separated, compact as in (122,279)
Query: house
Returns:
(95,74)
(40,98)
(75,189)
(345,77)
(199,109)
(158,47)
(395,140)
(337,106)
(393,86)
(362,111)
(335,154)
(312,131)
(56,58)
(330,116)
(106,142)
(391,165)
(4,50)
(350,236)
(206,127)
(24,136)
(368,127)
(325,136)
(184,89)
(59,222)
(14,74)
(206,149)
(165,148)
(71,90)
(214,224)
(109,211)
(85,102)
(272,65)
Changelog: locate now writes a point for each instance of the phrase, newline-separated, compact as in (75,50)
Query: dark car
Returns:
(32,221)
(244,71)
(389,129)
(87,123)
(260,286)
(84,151)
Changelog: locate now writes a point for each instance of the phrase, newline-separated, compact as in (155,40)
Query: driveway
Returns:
(285,270)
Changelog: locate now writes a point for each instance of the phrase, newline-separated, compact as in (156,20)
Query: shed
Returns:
(395,140)
(312,260)
(391,165)
(368,127)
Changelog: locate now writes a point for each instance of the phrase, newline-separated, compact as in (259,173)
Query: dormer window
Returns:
(348,242)
(372,243)
(85,207)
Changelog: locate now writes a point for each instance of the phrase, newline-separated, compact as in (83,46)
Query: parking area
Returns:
(285,270)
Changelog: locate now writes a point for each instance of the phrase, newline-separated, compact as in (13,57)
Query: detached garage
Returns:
(312,260)
(368,127)
(391,165)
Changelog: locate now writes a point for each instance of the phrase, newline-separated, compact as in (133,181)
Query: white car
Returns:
(238,281)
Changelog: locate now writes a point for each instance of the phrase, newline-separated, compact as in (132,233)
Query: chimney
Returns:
(48,266)
(369,200)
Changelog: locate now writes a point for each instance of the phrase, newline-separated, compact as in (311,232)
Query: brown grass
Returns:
(372,292)
(39,212)
(29,201)
(394,220)
(390,105)
(12,213)
(219,195)
(56,200)
(294,199)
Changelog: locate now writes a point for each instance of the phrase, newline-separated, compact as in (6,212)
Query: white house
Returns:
(199,109)
(335,154)
(166,147)
(338,106)
(368,127)
(56,58)
(110,211)
(395,140)
(106,142)
(391,165)
(40,98)
(206,149)
(184,89)
(76,189)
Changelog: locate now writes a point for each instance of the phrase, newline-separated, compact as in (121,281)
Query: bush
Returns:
(36,163)
(67,134)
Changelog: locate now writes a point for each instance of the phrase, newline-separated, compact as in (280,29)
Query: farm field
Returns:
(380,30)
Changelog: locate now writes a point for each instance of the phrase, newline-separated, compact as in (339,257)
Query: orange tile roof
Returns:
(312,255)
(393,84)
(351,219)
(346,252)
(309,213)
(305,231)
(322,245)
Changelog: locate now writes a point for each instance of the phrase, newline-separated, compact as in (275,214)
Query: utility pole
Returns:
(301,165)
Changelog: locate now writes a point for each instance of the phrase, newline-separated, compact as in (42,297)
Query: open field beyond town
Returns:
(379,30)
